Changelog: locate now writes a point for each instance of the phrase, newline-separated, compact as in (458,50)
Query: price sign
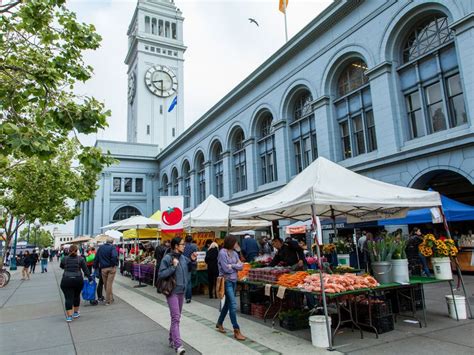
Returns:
(281,292)
(268,288)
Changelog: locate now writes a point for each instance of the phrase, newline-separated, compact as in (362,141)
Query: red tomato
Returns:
(172,216)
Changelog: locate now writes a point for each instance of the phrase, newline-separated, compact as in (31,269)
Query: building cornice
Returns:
(320,102)
(463,24)
(379,69)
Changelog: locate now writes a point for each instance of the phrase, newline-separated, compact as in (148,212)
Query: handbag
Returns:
(220,287)
(166,285)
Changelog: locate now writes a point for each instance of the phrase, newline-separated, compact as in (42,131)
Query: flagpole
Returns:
(286,26)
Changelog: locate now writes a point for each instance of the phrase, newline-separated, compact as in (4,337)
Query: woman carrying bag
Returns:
(172,280)
(73,281)
(212,268)
(229,263)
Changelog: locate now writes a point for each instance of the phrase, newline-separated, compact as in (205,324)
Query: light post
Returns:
(37,225)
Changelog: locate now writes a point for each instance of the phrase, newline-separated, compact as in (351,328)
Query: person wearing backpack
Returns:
(44,261)
(73,281)
(177,266)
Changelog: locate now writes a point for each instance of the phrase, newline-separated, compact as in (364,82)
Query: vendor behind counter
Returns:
(288,253)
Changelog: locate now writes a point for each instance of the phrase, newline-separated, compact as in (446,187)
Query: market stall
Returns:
(322,190)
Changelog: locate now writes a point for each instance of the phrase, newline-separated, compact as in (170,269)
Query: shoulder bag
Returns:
(166,285)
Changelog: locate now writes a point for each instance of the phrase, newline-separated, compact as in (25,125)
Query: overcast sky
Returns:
(223,49)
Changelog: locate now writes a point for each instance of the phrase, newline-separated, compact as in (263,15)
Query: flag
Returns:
(173,104)
(283,5)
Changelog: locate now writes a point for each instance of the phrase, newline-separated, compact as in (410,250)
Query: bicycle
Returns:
(4,277)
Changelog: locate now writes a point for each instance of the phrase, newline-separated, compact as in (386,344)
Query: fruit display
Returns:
(242,274)
(267,274)
(292,280)
(337,283)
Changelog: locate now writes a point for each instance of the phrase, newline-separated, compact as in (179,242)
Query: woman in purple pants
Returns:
(177,265)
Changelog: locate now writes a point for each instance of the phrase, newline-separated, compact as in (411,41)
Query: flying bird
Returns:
(253,21)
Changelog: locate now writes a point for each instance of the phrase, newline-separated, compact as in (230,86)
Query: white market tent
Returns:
(334,191)
(326,189)
(213,214)
(134,222)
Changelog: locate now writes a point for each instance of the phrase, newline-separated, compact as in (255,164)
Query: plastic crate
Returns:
(405,304)
(378,309)
(295,322)
(245,308)
(382,324)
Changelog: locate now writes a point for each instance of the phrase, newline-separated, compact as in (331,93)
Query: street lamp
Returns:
(37,225)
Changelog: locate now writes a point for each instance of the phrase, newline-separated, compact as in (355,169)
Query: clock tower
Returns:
(155,73)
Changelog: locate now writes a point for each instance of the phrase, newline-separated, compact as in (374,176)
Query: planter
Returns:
(400,271)
(442,268)
(382,271)
(343,259)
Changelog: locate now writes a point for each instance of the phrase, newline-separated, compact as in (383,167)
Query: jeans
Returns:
(424,263)
(44,265)
(108,276)
(230,304)
(189,288)
(175,304)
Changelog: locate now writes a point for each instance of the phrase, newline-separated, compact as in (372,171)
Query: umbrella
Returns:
(113,233)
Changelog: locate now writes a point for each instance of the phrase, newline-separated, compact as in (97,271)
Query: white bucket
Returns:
(400,271)
(319,331)
(442,268)
(382,271)
(460,306)
(343,259)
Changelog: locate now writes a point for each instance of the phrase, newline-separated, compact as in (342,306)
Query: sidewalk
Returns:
(32,322)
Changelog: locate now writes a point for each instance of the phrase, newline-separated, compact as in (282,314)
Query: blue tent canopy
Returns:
(454,211)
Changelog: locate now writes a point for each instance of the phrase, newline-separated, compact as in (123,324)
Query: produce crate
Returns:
(258,310)
(294,320)
(405,304)
(245,308)
(378,310)
(244,296)
(383,324)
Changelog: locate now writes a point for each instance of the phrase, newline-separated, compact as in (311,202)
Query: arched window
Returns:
(153,26)
(125,212)
(164,185)
(201,178)
(147,24)
(174,33)
(430,80)
(303,132)
(354,110)
(186,184)
(218,170)
(167,29)
(160,28)
(266,149)
(174,182)
(240,165)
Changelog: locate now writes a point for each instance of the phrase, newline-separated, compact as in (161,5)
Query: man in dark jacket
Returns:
(34,260)
(288,253)
(106,259)
(250,248)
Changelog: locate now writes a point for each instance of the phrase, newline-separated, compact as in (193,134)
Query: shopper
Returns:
(34,260)
(106,259)
(27,260)
(189,249)
(250,248)
(44,260)
(175,264)
(72,282)
(212,255)
(160,251)
(418,237)
(229,263)
(90,258)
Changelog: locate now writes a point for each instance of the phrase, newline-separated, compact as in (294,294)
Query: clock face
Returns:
(161,81)
(132,84)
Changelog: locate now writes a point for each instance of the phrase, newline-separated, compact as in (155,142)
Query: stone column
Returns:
(281,150)
(107,217)
(148,189)
(388,128)
(326,135)
(464,34)
(226,175)
(192,180)
(251,168)
(209,177)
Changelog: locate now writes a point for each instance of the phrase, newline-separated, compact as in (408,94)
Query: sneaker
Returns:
(180,350)
(68,319)
(171,345)
(76,315)
(188,301)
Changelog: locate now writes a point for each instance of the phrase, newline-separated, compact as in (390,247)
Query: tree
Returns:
(41,46)
(40,237)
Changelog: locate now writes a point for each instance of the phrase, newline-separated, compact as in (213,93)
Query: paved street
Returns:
(32,321)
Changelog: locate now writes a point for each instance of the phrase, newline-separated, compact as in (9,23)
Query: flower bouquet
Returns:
(441,251)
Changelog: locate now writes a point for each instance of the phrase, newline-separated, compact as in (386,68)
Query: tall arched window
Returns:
(153,26)
(174,33)
(167,29)
(125,212)
(164,185)
(147,24)
(201,178)
(160,28)
(266,149)
(186,184)
(240,165)
(430,79)
(218,170)
(174,182)
(303,132)
(354,110)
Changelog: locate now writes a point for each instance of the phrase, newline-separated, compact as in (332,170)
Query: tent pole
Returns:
(458,268)
(139,266)
(357,248)
(323,293)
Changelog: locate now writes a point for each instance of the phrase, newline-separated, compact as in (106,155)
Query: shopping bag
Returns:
(220,287)
(88,290)
(166,285)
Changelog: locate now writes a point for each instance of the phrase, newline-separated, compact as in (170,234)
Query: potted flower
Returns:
(381,255)
(440,251)
(343,249)
(400,262)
